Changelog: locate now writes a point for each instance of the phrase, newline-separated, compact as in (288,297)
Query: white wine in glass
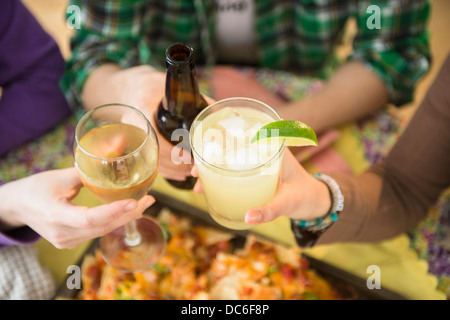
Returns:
(116,153)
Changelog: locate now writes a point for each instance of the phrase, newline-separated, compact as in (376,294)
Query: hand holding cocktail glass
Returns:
(248,182)
(299,195)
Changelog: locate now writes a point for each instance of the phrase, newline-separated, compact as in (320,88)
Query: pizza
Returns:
(202,262)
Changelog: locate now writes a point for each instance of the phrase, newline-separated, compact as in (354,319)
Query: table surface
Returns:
(406,262)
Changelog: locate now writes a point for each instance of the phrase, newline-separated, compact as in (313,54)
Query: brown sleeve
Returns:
(394,196)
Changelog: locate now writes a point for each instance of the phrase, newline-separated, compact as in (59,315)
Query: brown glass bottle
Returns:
(182,101)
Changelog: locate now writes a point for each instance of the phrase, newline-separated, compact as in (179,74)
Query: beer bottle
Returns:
(182,101)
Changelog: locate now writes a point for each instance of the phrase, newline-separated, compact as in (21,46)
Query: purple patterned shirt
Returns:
(31,101)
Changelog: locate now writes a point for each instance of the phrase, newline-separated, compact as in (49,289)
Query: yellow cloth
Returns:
(400,268)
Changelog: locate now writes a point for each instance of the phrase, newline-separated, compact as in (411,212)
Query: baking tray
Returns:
(349,286)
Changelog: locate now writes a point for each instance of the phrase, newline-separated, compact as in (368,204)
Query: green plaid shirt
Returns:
(294,35)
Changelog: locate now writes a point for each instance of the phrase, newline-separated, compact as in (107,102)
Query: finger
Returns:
(89,218)
(290,167)
(260,215)
(80,234)
(198,188)
(99,217)
(194,171)
(209,100)
(273,209)
(100,231)
(198,185)
(68,182)
(68,176)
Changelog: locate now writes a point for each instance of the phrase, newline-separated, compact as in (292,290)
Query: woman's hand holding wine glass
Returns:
(43,202)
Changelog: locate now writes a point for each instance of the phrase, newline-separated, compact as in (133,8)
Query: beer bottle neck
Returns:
(181,89)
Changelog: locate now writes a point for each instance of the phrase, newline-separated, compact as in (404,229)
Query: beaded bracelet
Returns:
(332,216)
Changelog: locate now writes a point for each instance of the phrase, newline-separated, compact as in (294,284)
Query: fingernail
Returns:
(131,206)
(254,216)
(149,202)
(197,188)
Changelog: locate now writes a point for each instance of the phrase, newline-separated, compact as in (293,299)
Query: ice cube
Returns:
(233,125)
(212,152)
(241,158)
(211,135)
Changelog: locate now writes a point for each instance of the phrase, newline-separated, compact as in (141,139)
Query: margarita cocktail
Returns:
(236,174)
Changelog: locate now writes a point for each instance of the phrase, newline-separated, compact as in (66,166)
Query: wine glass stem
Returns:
(132,236)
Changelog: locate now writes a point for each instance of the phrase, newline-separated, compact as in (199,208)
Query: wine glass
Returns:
(116,153)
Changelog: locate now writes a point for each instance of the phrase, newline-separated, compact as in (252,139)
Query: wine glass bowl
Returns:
(116,153)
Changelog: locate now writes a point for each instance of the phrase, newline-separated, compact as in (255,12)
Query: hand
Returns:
(299,196)
(42,202)
(141,87)
(144,87)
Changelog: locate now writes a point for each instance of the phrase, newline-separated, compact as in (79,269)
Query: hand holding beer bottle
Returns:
(180,105)
(169,101)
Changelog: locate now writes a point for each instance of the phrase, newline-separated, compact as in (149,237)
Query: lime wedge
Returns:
(294,133)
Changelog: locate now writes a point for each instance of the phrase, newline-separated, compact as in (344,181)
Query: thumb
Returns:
(65,182)
(69,176)
(268,212)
